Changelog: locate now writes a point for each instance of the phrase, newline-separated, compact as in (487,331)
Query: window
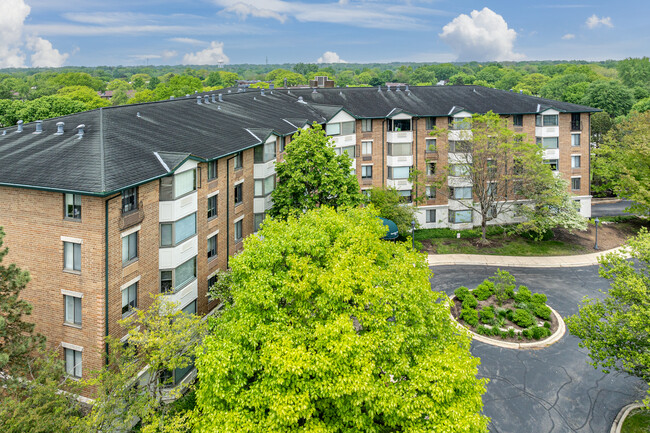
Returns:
(343,128)
(460,216)
(518,120)
(575,183)
(239,161)
(174,233)
(212,170)
(239,199)
(184,183)
(179,277)
(546,120)
(129,199)
(129,299)
(431,215)
(399,172)
(492,189)
(461,192)
(212,247)
(366,172)
(258,218)
(459,169)
(71,256)
(431,192)
(166,281)
(575,121)
(129,248)
(72,306)
(264,187)
(239,234)
(190,308)
(430,123)
(431,168)
(366,125)
(212,206)
(399,149)
(264,153)
(406,195)
(548,142)
(460,123)
(72,206)
(430,145)
(350,150)
(283,143)
(400,125)
(458,147)
(575,139)
(366,147)
(491,167)
(575,161)
(552,164)
(212,281)
(73,362)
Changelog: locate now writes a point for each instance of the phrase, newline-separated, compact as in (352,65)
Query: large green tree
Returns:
(610,96)
(313,175)
(333,330)
(616,330)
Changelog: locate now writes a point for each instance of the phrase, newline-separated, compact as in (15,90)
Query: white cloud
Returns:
(482,36)
(330,57)
(593,22)
(568,36)
(188,41)
(210,56)
(168,54)
(45,56)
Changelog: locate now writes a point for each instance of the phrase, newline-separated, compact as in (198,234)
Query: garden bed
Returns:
(497,309)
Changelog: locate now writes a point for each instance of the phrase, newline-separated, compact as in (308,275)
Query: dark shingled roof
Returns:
(127,145)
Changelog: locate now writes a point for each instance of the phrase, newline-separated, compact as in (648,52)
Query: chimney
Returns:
(20,126)
(407,88)
(229,91)
(39,127)
(59,128)
(213,100)
(80,130)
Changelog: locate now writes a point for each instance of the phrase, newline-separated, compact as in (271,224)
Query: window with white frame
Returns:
(258,218)
(546,120)
(179,277)
(349,150)
(73,362)
(189,308)
(548,142)
(430,123)
(129,299)
(431,168)
(399,149)
(71,256)
(552,163)
(72,307)
(517,120)
(575,183)
(575,161)
(129,248)
(459,169)
(264,187)
(172,234)
(460,216)
(72,206)
(399,172)
(431,192)
(264,153)
(239,233)
(458,146)
(406,195)
(431,215)
(366,172)
(461,192)
(342,128)
(431,145)
(366,147)
(212,247)
(173,187)
(575,140)
(400,124)
(366,125)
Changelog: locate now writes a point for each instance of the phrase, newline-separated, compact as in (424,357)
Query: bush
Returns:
(547,325)
(538,298)
(509,314)
(542,311)
(470,302)
(511,333)
(483,291)
(523,295)
(523,318)
(540,332)
(469,316)
(502,312)
(461,293)
(532,235)
(487,315)
(483,330)
(503,285)
(528,333)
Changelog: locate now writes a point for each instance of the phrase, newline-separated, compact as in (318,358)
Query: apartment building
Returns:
(108,206)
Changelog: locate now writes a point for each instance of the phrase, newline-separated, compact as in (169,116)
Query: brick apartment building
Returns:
(108,206)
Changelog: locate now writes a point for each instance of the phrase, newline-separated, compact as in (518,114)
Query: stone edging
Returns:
(557,335)
(622,414)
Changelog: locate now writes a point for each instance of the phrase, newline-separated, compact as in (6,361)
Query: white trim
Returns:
(366,165)
(72,347)
(238,219)
(130,283)
(72,240)
(160,160)
(72,293)
(212,194)
(212,234)
(238,182)
(212,274)
(131,231)
(574,177)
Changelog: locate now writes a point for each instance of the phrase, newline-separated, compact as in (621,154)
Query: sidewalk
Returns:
(514,261)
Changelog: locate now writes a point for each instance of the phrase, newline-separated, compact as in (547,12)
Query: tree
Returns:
(305,68)
(642,105)
(634,72)
(601,123)
(611,96)
(332,329)
(532,83)
(84,94)
(213,80)
(615,330)
(312,175)
(48,107)
(623,160)
(390,205)
(557,86)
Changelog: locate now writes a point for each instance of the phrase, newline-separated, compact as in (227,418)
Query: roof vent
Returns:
(521,91)
(171,97)
(300,99)
(387,88)
(407,88)
(20,126)
(187,95)
(271,86)
(4,132)
(138,115)
(288,92)
(206,99)
(397,88)
(262,91)
(213,100)
(285,82)
(229,91)
(379,88)
(218,107)
(340,93)
(39,127)
(314,91)
(59,128)
(80,130)
(198,100)
(255,98)
(221,96)
(239,90)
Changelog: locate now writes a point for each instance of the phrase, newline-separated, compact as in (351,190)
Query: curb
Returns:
(557,335)
(622,414)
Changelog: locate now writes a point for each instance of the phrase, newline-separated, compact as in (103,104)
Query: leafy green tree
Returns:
(118,85)
(423,75)
(634,72)
(601,123)
(49,106)
(305,68)
(119,97)
(84,94)
(461,79)
(490,74)
(213,80)
(67,79)
(229,79)
(557,86)
(389,205)
(153,83)
(145,95)
(531,84)
(312,175)
(334,330)
(509,80)
(444,70)
(641,105)
(611,96)
(615,330)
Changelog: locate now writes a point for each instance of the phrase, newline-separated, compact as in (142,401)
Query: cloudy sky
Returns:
(135,32)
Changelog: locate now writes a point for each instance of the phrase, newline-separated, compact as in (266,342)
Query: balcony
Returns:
(399,136)
(264,170)
(262,204)
(172,257)
(344,140)
(551,154)
(132,218)
(459,135)
(399,184)
(170,211)
(184,296)
(547,131)
(399,161)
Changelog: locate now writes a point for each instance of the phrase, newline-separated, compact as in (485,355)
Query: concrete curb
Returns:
(557,335)
(622,414)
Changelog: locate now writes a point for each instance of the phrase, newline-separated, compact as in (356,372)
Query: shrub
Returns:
(547,325)
(538,298)
(495,331)
(502,312)
(469,302)
(527,333)
(483,291)
(511,332)
(461,293)
(509,314)
(542,311)
(487,315)
(483,330)
(532,235)
(540,332)
(523,318)
(503,335)
(503,285)
(523,295)
(469,316)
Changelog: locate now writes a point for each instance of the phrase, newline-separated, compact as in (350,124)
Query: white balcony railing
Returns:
(344,140)
(170,211)
(547,131)
(262,204)
(399,136)
(400,184)
(172,257)
(264,170)
(399,161)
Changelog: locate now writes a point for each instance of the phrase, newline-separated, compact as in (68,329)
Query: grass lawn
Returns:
(507,246)
(637,422)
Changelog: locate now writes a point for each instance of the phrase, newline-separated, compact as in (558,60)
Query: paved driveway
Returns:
(610,208)
(551,389)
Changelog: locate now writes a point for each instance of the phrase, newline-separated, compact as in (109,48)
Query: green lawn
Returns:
(637,422)
(507,246)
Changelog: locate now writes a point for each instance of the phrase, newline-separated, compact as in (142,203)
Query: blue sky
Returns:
(121,32)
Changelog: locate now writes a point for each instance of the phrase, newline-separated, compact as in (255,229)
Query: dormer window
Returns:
(546,120)
(398,125)
(342,128)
